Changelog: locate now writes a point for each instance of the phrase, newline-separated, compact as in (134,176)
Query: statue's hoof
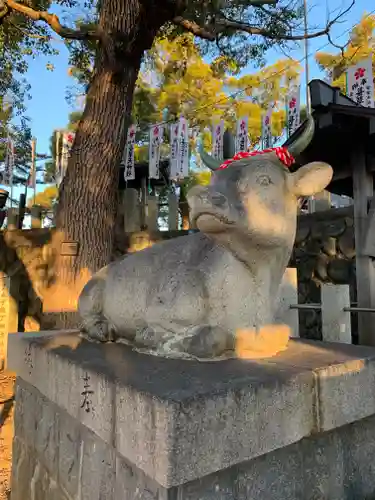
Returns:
(148,337)
(100,332)
(204,342)
(264,343)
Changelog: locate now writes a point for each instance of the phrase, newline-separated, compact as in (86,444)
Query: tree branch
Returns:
(201,31)
(222,23)
(256,3)
(53,21)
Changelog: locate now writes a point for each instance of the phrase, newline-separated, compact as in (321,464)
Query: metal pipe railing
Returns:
(318,307)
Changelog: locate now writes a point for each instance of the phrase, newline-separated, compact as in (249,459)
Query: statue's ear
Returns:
(311,179)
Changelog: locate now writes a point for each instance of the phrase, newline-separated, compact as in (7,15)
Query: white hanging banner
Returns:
(174,150)
(360,83)
(241,134)
(293,110)
(156,138)
(217,140)
(128,158)
(67,143)
(266,130)
(57,156)
(183,149)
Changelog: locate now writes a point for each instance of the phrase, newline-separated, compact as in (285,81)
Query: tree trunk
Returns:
(88,195)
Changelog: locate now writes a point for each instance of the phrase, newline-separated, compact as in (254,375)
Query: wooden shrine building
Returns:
(142,176)
(345,138)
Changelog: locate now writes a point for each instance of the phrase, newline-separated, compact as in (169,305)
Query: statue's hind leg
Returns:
(90,308)
(202,341)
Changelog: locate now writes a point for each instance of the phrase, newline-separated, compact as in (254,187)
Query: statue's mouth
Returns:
(207,216)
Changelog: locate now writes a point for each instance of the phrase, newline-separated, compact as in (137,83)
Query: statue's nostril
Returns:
(218,199)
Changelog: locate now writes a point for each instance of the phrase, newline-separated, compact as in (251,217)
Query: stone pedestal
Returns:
(36,217)
(102,422)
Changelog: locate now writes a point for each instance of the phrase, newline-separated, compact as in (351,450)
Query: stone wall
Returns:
(324,253)
(95,422)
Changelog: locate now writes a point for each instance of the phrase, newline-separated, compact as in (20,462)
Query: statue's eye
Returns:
(264,180)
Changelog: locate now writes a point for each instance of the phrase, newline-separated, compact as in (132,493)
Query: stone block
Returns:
(217,431)
(333,465)
(358,450)
(30,480)
(177,421)
(97,477)
(152,213)
(172,212)
(47,436)
(26,414)
(336,323)
(39,485)
(276,475)
(70,454)
(37,423)
(23,465)
(132,483)
(132,213)
(322,471)
(219,486)
(346,392)
(83,393)
(344,376)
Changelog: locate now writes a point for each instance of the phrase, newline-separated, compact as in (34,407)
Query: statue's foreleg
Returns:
(90,307)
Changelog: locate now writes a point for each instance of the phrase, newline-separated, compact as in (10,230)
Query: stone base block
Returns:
(103,422)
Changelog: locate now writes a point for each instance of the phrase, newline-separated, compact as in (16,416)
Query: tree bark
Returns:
(184,211)
(88,194)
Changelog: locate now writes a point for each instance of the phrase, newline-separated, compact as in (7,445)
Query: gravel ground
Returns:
(6,432)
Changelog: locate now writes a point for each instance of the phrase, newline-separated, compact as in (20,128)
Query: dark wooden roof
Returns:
(141,172)
(342,127)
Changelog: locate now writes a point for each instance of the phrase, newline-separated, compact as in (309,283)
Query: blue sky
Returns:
(48,108)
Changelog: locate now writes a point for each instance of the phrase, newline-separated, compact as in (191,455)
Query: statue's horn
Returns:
(229,146)
(208,160)
(301,143)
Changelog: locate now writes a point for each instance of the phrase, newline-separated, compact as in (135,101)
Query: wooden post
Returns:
(365,270)
(172,212)
(132,215)
(12,215)
(36,217)
(336,324)
(8,317)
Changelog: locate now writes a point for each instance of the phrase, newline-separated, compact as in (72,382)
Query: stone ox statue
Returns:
(215,291)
